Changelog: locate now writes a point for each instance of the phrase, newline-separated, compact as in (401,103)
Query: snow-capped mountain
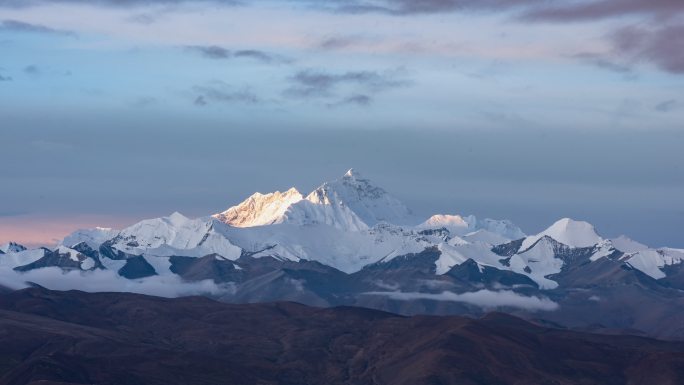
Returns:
(370,203)
(14,259)
(460,225)
(11,247)
(350,203)
(176,235)
(653,262)
(568,232)
(92,237)
(347,224)
(349,240)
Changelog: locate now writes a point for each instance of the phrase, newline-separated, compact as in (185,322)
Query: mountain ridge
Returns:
(317,250)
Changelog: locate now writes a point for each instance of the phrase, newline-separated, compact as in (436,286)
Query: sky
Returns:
(112,111)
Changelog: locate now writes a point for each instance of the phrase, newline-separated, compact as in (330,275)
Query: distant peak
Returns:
(572,225)
(352,174)
(292,190)
(570,222)
(569,232)
(176,216)
(12,247)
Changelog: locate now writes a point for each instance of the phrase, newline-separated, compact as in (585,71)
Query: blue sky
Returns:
(113,111)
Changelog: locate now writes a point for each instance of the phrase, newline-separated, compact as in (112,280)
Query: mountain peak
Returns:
(11,247)
(456,224)
(459,225)
(569,232)
(260,209)
(369,202)
(176,216)
(351,173)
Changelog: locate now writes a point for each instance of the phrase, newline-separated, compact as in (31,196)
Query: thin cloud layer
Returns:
(108,281)
(486,299)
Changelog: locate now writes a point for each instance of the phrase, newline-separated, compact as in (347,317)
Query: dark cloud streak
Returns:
(360,100)
(602,9)
(111,3)
(313,83)
(220,53)
(221,92)
(666,106)
(20,26)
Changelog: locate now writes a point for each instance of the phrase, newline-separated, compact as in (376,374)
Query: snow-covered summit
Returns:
(369,202)
(456,224)
(260,209)
(176,234)
(459,225)
(92,237)
(568,232)
(349,203)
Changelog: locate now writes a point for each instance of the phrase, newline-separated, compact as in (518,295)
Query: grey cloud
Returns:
(32,70)
(338,42)
(534,10)
(200,101)
(143,18)
(5,78)
(218,53)
(20,26)
(144,102)
(212,51)
(313,83)
(261,55)
(601,9)
(633,45)
(666,106)
(111,3)
(221,92)
(356,99)
(407,7)
(486,299)
(554,10)
(661,46)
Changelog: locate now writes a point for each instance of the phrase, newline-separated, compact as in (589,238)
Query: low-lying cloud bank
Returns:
(486,299)
(108,281)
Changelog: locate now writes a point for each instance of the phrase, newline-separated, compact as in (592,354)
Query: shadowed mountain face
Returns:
(119,338)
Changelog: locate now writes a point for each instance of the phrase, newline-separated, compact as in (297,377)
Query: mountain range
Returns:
(350,242)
